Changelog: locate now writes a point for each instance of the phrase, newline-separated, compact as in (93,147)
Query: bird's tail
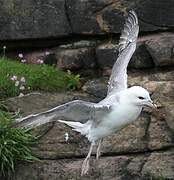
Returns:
(77,126)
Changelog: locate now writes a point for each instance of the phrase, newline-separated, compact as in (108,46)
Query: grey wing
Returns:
(99,112)
(77,110)
(127,46)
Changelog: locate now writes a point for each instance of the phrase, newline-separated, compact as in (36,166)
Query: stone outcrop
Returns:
(33,19)
(51,18)
(152,51)
(75,59)
(117,168)
(162,50)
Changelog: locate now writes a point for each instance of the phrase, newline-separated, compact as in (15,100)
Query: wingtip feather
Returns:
(129,31)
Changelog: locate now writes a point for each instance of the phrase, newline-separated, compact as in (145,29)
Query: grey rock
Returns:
(106,55)
(33,19)
(96,87)
(141,58)
(82,16)
(108,168)
(81,44)
(48,19)
(106,16)
(160,165)
(157,165)
(38,102)
(50,59)
(147,27)
(161,49)
(151,77)
(34,56)
(111,17)
(158,13)
(74,59)
(159,133)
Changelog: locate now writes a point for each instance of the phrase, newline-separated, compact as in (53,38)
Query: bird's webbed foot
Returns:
(98,154)
(85,166)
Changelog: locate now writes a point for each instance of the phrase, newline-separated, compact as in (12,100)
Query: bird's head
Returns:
(139,96)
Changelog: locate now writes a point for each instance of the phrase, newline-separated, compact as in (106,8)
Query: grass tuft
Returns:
(38,77)
(15,144)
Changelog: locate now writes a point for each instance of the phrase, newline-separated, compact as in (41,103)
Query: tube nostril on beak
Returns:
(155,105)
(151,104)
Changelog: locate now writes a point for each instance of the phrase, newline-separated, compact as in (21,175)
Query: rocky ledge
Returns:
(155,50)
(52,18)
(143,150)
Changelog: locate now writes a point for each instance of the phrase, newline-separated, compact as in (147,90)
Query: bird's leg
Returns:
(85,165)
(98,149)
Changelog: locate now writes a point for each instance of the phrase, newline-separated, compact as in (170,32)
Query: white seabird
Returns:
(121,106)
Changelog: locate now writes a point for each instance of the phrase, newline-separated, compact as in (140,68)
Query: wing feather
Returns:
(127,46)
(77,111)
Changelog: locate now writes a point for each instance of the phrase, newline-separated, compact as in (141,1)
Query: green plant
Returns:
(15,144)
(38,77)
(73,80)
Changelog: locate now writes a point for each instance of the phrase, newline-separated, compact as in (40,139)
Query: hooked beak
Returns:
(151,104)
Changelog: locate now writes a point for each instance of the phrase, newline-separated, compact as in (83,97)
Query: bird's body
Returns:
(118,118)
(122,105)
(120,110)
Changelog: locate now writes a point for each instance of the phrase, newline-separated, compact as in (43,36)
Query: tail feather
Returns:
(77,126)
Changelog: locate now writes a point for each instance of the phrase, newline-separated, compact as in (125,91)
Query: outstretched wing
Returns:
(127,46)
(78,110)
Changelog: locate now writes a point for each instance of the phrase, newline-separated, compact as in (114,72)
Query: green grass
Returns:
(38,77)
(15,145)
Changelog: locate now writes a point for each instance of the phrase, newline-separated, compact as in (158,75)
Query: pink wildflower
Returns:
(22,88)
(23,79)
(17,83)
(21,95)
(47,53)
(20,55)
(13,78)
(23,60)
(40,61)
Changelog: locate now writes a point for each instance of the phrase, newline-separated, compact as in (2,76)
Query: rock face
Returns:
(106,55)
(37,102)
(161,8)
(143,150)
(75,59)
(118,167)
(33,19)
(152,51)
(47,19)
(161,49)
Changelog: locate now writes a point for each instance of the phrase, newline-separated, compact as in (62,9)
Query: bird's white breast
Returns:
(119,117)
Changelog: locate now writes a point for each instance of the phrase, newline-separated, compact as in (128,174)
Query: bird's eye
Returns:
(140,97)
